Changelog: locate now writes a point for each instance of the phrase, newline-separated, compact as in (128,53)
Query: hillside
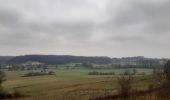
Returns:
(4,59)
(60,59)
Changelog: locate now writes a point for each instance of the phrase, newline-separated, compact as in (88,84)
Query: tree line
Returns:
(60,59)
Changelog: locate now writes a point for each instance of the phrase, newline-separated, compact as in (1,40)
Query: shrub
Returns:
(35,74)
(127,72)
(167,71)
(51,73)
(4,95)
(101,73)
(125,85)
(2,79)
(142,73)
(134,72)
(17,94)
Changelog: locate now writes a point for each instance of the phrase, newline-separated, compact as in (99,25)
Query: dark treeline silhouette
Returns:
(101,73)
(139,61)
(38,74)
(124,62)
(4,59)
(60,59)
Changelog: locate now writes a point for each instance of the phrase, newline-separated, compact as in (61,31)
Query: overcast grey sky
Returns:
(114,28)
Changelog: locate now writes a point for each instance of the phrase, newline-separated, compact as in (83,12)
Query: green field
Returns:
(68,84)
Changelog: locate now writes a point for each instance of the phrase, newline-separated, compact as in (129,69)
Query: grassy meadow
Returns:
(69,84)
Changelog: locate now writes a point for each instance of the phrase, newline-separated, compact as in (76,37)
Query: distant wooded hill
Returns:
(65,59)
(4,59)
(60,59)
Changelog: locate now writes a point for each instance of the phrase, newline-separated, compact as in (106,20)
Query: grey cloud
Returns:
(154,15)
(9,18)
(85,27)
(18,32)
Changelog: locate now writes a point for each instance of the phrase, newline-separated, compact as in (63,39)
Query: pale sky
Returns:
(114,28)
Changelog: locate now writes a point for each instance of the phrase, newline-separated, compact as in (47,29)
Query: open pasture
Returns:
(72,84)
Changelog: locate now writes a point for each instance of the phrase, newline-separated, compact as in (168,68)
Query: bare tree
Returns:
(125,84)
(167,70)
(2,79)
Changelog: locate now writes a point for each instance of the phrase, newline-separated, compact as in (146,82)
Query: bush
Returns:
(35,74)
(142,73)
(17,94)
(2,77)
(101,73)
(134,72)
(125,85)
(51,73)
(127,72)
(167,71)
(5,95)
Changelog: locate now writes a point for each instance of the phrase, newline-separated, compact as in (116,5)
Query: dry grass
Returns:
(66,86)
